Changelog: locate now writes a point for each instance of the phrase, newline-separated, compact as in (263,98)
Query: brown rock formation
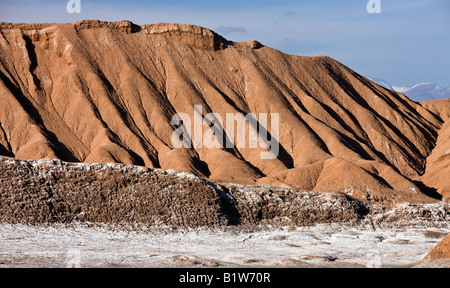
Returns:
(97,91)
(438,163)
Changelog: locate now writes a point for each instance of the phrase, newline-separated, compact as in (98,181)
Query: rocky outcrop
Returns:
(49,191)
(195,36)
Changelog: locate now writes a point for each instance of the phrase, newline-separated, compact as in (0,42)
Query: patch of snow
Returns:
(419,85)
(400,89)
(380,82)
(67,49)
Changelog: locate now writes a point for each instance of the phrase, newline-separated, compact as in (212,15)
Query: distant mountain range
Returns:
(426,91)
(420,92)
(381,82)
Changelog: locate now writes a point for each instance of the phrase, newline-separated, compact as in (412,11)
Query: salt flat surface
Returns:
(325,245)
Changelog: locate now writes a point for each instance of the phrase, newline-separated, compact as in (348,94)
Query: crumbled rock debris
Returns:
(52,191)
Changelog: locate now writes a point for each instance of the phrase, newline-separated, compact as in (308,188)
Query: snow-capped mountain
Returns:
(400,89)
(420,92)
(427,91)
(381,82)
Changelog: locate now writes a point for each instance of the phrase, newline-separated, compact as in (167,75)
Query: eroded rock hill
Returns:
(98,92)
(438,163)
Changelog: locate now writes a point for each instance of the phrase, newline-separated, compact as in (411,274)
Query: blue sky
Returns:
(408,43)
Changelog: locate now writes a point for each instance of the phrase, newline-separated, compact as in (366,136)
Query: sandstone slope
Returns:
(441,251)
(438,163)
(99,92)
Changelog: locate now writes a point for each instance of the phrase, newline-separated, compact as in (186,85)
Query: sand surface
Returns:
(325,245)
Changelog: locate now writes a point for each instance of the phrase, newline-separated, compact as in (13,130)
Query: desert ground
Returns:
(324,245)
